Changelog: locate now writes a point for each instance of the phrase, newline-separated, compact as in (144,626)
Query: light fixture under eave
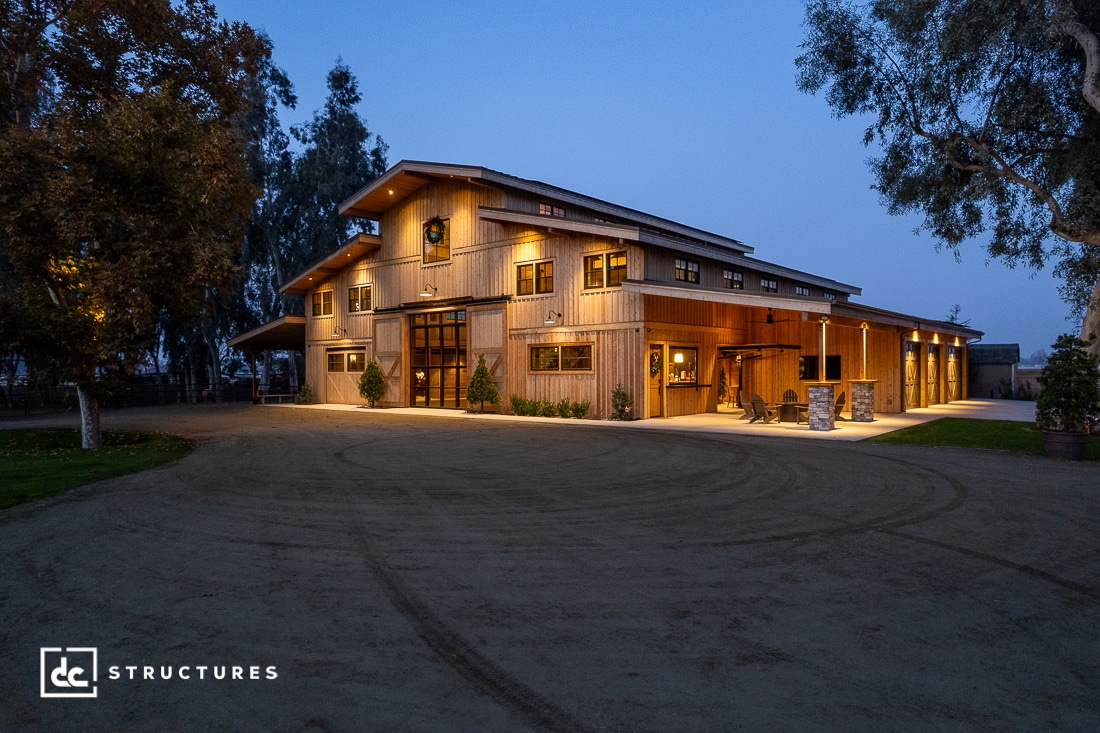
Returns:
(428,290)
(552,317)
(771,318)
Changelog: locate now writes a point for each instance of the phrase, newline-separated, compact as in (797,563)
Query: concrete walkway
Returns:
(727,421)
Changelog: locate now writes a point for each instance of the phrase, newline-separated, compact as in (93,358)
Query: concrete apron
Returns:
(727,420)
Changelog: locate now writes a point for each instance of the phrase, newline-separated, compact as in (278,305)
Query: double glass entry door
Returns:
(438,359)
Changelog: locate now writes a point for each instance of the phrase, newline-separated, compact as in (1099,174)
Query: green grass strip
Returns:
(39,462)
(1020,437)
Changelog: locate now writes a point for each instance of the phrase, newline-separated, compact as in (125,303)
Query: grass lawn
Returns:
(1008,435)
(39,462)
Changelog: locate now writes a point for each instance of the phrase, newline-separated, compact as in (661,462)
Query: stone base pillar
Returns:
(863,400)
(822,406)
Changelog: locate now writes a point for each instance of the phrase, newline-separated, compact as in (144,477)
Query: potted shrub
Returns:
(1068,406)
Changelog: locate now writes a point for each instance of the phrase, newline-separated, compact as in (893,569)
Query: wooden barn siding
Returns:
(617,356)
(661,267)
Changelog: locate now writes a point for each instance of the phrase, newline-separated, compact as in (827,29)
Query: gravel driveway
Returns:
(405,573)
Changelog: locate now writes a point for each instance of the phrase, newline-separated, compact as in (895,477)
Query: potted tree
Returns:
(1068,407)
(372,383)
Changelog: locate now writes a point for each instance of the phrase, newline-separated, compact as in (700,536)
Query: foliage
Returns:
(620,403)
(124,186)
(305,394)
(481,388)
(564,408)
(1020,437)
(40,462)
(372,383)
(987,113)
(723,385)
(1070,397)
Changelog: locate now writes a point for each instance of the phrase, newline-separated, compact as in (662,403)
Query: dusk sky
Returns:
(684,110)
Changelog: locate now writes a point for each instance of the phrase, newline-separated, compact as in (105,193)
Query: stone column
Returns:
(863,400)
(822,406)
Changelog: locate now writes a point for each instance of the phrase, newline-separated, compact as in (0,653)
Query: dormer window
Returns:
(551,210)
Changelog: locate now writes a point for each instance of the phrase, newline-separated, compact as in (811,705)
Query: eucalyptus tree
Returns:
(987,114)
(125,187)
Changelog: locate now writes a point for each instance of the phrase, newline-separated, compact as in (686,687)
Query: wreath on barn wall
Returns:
(655,363)
(434,229)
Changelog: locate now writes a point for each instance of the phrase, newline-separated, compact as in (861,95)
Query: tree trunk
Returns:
(265,373)
(292,364)
(1090,327)
(89,418)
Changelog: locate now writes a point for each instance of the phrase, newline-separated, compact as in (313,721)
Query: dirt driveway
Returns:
(399,573)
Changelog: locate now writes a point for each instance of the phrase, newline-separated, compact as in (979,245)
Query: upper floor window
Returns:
(437,240)
(322,303)
(769,285)
(551,210)
(359,299)
(733,280)
(801,290)
(687,271)
(604,270)
(537,277)
(828,296)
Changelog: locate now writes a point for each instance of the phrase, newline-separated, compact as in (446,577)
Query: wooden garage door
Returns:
(933,374)
(912,375)
(954,376)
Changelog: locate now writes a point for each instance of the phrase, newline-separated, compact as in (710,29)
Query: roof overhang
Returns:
(283,334)
(558,224)
(909,323)
(764,300)
(357,247)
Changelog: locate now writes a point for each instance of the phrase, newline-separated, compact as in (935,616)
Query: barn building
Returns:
(567,296)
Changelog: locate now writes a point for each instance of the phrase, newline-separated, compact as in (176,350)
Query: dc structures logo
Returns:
(69,671)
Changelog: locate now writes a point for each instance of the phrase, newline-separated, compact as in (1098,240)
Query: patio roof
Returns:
(283,334)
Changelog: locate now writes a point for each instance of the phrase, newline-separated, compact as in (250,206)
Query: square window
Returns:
(525,279)
(733,280)
(336,362)
(593,271)
(357,361)
(551,210)
(682,363)
(545,358)
(544,280)
(576,358)
(359,299)
(768,285)
(616,268)
(801,290)
(437,240)
(828,296)
(322,303)
(687,271)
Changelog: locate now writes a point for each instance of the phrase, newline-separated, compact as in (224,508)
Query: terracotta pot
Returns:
(1065,445)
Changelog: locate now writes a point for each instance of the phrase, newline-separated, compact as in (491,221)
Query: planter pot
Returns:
(1065,445)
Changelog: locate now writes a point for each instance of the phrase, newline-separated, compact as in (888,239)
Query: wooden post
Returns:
(821,351)
(863,360)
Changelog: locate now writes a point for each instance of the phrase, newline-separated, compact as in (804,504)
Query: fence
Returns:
(25,401)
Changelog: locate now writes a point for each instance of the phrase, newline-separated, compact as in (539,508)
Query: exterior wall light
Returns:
(428,290)
(336,331)
(552,317)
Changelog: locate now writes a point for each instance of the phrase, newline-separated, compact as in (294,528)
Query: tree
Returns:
(481,388)
(372,383)
(987,113)
(124,187)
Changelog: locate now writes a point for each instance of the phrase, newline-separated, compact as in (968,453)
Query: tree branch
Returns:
(1068,23)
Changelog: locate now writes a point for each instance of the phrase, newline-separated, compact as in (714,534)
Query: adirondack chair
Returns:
(761,412)
(747,407)
(790,396)
(840,402)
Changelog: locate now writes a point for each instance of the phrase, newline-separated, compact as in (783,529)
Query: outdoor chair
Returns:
(840,401)
(744,406)
(761,412)
(790,396)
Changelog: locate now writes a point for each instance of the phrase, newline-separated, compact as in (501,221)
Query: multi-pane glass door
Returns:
(438,359)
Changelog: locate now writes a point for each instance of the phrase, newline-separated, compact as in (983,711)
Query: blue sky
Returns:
(685,110)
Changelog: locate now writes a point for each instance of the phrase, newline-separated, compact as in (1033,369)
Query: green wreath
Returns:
(654,363)
(434,230)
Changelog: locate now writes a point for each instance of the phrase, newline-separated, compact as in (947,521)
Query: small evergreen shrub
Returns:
(620,403)
(564,408)
(481,388)
(519,405)
(579,410)
(372,384)
(305,394)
